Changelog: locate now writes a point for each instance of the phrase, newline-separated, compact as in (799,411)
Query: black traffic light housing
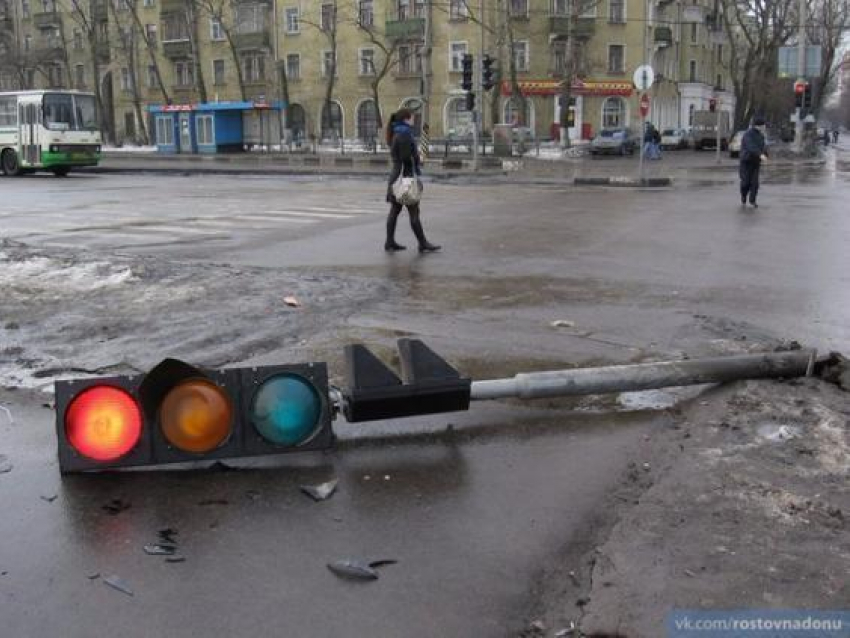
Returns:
(428,385)
(470,101)
(807,96)
(466,67)
(488,79)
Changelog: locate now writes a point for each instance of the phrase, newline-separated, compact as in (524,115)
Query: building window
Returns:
(367,121)
(458,119)
(80,76)
(692,71)
(77,39)
(720,54)
(616,58)
(331,121)
(458,10)
(456,52)
(218,72)
(150,35)
(560,8)
(719,82)
(204,128)
(129,126)
(328,17)
(521,55)
(254,67)
(250,18)
(27,43)
(126,84)
(216,31)
(559,57)
(367,61)
(184,73)
(329,64)
(152,79)
(691,110)
(293,23)
(175,28)
(694,32)
(613,113)
(296,120)
(165,130)
(54,76)
(366,14)
(409,60)
(617,11)
(518,8)
(149,3)
(25,8)
(293,66)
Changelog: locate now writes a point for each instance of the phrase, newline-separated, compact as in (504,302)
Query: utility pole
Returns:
(425,85)
(801,70)
(478,90)
(481,92)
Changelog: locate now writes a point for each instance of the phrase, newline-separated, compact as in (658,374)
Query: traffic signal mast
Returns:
(181,413)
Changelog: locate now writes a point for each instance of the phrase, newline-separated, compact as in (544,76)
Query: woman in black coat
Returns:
(406,162)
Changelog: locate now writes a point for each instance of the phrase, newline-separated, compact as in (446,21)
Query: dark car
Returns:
(615,141)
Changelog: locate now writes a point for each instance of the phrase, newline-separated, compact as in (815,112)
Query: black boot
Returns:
(416,225)
(390,245)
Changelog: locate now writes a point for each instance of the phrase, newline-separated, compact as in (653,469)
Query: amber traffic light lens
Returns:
(196,416)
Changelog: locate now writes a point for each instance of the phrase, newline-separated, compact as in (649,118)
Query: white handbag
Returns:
(407,191)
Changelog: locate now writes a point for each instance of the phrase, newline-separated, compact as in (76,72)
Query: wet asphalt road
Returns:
(485,518)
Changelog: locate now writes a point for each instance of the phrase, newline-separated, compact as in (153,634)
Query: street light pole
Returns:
(801,70)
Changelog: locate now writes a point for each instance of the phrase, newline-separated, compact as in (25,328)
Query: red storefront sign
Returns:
(580,87)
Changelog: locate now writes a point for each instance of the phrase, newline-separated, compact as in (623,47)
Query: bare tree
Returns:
(128,48)
(755,29)
(222,12)
(389,59)
(150,47)
(328,25)
(826,27)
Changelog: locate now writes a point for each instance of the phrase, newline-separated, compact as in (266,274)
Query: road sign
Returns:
(644,105)
(644,77)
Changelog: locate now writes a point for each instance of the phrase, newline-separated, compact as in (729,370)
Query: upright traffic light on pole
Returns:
(466,69)
(807,96)
(470,101)
(488,79)
(799,94)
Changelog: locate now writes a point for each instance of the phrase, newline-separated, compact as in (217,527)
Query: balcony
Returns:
(172,6)
(663,36)
(100,10)
(49,50)
(252,40)
(177,48)
(405,26)
(560,26)
(47,20)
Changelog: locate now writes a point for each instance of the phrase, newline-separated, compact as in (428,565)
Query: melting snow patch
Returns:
(43,274)
(647,400)
(777,432)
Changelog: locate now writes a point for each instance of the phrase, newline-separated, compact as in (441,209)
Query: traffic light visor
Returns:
(286,410)
(103,423)
(196,416)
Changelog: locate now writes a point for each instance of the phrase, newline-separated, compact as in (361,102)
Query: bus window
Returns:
(9,111)
(58,112)
(86,113)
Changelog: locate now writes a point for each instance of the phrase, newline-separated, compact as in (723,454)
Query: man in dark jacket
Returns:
(753,151)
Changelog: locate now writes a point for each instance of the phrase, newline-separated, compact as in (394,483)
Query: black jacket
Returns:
(752,146)
(405,156)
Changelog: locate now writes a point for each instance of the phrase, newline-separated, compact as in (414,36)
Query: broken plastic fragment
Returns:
(292,302)
(116,506)
(49,499)
(160,550)
(167,535)
(5,464)
(175,559)
(116,583)
(563,323)
(93,576)
(356,569)
(322,491)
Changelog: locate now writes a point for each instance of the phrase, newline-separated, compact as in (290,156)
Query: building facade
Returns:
(339,68)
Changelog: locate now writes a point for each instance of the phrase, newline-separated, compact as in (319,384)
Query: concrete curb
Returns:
(625,182)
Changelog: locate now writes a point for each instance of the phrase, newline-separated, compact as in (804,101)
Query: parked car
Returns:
(618,141)
(735,144)
(674,139)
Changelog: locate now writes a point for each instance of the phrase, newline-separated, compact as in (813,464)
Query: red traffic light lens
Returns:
(103,423)
(196,416)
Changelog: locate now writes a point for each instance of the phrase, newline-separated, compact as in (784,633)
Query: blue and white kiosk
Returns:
(215,127)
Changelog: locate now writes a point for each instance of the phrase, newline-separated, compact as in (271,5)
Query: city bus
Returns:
(49,130)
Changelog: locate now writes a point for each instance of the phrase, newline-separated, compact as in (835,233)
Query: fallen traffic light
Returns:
(179,413)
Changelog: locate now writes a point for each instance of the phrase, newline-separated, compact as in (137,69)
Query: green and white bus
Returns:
(48,130)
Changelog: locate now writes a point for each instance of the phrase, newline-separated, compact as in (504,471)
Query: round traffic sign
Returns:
(644,77)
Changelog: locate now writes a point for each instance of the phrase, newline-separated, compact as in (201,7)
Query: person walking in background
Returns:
(406,163)
(753,151)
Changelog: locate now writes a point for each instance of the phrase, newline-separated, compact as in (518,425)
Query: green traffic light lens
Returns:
(286,410)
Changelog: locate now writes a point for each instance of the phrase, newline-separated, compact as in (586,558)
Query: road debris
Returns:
(563,323)
(356,569)
(49,499)
(320,492)
(292,302)
(116,583)
(5,464)
(175,559)
(778,432)
(116,506)
(566,631)
(8,414)
(167,535)
(160,550)
(574,578)
(93,576)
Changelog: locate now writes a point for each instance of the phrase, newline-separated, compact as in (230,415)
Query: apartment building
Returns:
(378,55)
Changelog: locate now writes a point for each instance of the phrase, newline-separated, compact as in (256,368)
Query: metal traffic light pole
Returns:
(801,70)
(646,376)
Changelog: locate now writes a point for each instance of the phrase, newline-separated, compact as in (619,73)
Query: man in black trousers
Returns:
(753,151)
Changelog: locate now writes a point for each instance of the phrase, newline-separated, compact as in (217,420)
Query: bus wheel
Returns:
(9,161)
(61,171)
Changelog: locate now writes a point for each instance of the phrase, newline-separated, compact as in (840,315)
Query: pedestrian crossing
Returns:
(172,225)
